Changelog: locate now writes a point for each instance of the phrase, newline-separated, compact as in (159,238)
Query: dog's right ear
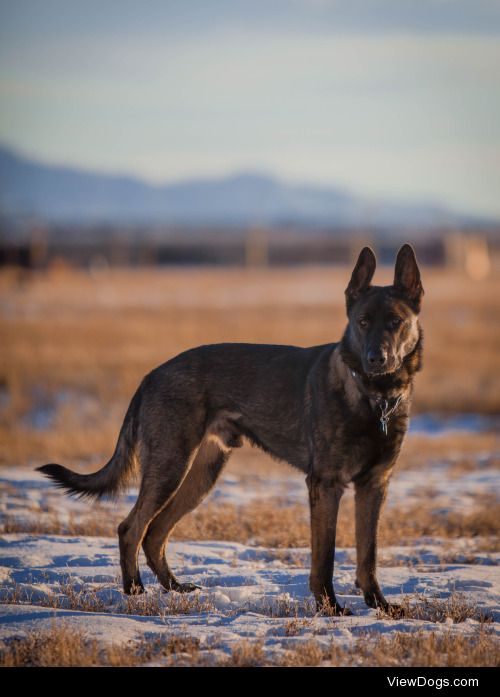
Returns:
(361,276)
(407,277)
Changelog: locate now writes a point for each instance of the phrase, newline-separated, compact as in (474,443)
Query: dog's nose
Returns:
(377,357)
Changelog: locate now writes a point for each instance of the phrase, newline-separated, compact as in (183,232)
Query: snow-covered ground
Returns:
(248,592)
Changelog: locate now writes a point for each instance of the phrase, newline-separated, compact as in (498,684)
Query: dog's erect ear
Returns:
(407,276)
(361,276)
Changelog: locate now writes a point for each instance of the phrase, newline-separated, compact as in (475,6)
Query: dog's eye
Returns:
(363,322)
(395,321)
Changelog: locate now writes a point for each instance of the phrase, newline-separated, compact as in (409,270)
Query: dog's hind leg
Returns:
(163,475)
(206,467)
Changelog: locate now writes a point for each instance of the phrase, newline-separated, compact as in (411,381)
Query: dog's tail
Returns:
(114,476)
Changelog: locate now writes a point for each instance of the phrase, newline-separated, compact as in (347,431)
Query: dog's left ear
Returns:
(407,277)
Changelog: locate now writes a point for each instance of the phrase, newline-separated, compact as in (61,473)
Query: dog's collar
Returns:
(386,405)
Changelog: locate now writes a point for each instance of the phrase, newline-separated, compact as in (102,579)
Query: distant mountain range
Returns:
(30,189)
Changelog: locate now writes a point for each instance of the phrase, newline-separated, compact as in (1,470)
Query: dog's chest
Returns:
(362,444)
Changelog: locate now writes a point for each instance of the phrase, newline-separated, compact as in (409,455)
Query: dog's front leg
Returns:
(324,499)
(370,493)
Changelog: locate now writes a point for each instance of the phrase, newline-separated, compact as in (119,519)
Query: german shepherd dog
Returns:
(337,412)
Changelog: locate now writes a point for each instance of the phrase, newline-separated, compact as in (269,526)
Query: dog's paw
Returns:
(187,588)
(395,612)
(343,612)
(134,589)
(181,587)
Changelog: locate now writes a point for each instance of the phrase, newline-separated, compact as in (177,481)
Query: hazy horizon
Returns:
(239,173)
(383,99)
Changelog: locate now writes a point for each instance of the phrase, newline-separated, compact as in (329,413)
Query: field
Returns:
(74,346)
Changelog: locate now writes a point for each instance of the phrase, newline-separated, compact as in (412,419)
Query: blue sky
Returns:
(385,97)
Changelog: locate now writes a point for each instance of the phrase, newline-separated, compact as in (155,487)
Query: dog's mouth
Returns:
(383,371)
(379,373)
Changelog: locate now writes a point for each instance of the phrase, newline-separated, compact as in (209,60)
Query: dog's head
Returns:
(383,320)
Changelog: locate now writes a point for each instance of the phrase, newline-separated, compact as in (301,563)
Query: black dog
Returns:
(337,412)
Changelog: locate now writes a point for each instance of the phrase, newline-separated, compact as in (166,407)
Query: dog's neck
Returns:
(388,386)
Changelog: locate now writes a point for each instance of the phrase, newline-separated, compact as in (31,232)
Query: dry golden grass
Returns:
(429,649)
(274,523)
(456,608)
(91,525)
(286,606)
(94,337)
(247,654)
(72,595)
(269,523)
(296,626)
(310,654)
(415,649)
(62,646)
(457,449)
(167,649)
